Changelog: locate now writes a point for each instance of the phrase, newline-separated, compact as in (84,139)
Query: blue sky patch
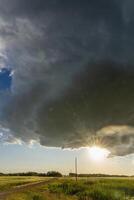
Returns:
(5,79)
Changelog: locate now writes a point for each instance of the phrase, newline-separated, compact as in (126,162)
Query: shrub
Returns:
(54,174)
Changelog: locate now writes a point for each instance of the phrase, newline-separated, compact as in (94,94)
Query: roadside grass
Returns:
(69,189)
(9,182)
(33,193)
(36,194)
(96,189)
(25,196)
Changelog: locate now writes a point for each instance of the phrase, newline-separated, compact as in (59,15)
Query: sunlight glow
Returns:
(97,153)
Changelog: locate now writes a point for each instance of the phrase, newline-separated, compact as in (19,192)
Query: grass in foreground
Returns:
(84,189)
(39,193)
(96,189)
(9,182)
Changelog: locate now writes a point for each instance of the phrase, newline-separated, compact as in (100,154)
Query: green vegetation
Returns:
(48,174)
(25,196)
(68,189)
(96,189)
(7,182)
(53,174)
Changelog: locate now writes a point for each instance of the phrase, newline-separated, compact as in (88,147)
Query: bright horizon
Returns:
(23,158)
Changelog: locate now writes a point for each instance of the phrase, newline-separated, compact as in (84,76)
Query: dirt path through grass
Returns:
(24,187)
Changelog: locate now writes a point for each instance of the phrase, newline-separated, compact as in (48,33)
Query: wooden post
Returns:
(76,168)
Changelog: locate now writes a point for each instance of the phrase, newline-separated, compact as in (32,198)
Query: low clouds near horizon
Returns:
(72,69)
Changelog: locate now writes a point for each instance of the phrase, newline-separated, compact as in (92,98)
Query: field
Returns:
(8,182)
(39,188)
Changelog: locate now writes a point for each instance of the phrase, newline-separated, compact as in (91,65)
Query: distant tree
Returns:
(95,175)
(42,174)
(31,174)
(72,174)
(54,174)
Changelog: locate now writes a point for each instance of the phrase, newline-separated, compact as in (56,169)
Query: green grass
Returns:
(96,189)
(8,182)
(39,193)
(69,189)
(32,193)
(25,196)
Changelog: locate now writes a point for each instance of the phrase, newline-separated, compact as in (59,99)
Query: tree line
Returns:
(48,174)
(58,174)
(95,175)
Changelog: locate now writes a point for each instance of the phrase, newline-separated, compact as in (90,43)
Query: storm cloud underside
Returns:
(72,70)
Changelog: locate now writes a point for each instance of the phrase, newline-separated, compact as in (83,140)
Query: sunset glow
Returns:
(97,153)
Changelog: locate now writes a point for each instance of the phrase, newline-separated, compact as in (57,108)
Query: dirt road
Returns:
(22,188)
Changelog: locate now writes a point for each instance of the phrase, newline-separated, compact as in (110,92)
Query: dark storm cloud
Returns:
(72,72)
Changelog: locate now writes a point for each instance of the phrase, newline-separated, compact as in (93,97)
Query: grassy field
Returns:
(9,182)
(68,189)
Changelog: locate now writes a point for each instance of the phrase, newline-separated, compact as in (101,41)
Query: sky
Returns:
(66,83)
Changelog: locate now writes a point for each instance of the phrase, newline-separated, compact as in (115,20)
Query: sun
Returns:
(97,153)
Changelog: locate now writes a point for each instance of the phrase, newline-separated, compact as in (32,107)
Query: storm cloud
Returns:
(72,71)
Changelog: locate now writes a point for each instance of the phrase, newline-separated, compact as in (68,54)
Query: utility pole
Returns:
(76,168)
